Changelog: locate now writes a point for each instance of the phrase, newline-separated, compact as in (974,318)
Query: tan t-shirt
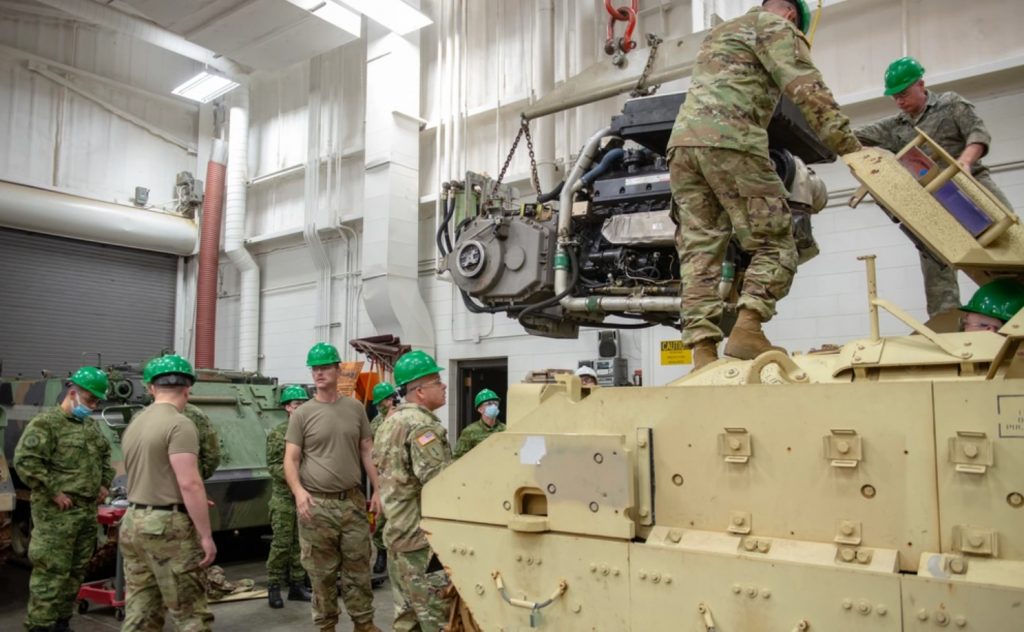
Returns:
(329,436)
(152,436)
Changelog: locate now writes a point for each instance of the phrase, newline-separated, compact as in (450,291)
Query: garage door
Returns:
(63,301)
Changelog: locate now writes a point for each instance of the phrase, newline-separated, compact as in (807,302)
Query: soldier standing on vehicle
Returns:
(284,563)
(327,438)
(992,305)
(723,181)
(385,398)
(165,536)
(64,460)
(487,404)
(209,442)
(949,120)
(413,449)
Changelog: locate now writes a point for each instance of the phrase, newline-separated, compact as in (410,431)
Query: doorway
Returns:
(475,375)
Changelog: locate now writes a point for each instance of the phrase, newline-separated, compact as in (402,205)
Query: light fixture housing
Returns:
(394,15)
(205,87)
(334,14)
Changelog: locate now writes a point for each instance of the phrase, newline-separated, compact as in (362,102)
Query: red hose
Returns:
(209,254)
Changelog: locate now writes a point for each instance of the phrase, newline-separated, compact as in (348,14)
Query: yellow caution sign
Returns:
(673,352)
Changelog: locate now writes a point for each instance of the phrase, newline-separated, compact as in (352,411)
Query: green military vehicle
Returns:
(242,408)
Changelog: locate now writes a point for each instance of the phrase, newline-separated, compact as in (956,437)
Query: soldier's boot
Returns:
(274,596)
(366,627)
(41,629)
(380,565)
(298,592)
(62,625)
(747,340)
(704,353)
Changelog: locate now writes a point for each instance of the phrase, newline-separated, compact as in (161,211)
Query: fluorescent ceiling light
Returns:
(205,87)
(395,15)
(334,14)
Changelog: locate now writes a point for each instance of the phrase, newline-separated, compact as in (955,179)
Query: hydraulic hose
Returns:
(609,160)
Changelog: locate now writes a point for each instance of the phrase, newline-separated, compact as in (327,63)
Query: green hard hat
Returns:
(322,353)
(293,392)
(93,380)
(413,366)
(803,15)
(486,395)
(382,391)
(901,74)
(171,363)
(1000,299)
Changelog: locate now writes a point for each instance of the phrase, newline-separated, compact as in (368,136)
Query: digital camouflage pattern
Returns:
(378,531)
(163,578)
(336,539)
(420,601)
(412,449)
(209,442)
(473,434)
(743,67)
(952,122)
(717,193)
(59,453)
(284,564)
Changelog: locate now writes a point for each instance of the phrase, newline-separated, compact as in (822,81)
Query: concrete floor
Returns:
(242,616)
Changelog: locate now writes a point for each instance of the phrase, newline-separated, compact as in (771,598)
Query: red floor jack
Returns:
(106,592)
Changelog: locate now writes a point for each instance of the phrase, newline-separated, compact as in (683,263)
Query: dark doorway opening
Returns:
(475,375)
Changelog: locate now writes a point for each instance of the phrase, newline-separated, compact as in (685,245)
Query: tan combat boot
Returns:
(747,340)
(704,353)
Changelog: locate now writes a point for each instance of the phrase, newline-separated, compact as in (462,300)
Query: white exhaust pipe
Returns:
(234,240)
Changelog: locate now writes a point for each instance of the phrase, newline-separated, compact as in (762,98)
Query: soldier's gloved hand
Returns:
(62,501)
(209,550)
(303,503)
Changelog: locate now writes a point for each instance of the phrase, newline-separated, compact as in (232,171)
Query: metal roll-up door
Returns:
(63,301)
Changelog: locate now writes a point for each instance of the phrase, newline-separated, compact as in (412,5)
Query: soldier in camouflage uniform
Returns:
(413,449)
(385,398)
(723,182)
(951,121)
(486,402)
(165,535)
(65,461)
(284,563)
(209,442)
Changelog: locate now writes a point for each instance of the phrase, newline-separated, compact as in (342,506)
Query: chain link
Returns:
(642,89)
(533,159)
(524,130)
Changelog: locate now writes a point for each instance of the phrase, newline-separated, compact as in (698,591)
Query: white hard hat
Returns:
(586,370)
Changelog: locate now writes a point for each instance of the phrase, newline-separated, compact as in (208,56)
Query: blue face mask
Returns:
(79,410)
(491,411)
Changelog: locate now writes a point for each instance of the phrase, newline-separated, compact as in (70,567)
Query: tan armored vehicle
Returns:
(878,486)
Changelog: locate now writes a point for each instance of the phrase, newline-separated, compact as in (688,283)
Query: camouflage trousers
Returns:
(336,539)
(419,604)
(62,543)
(718,193)
(284,564)
(378,533)
(941,287)
(162,574)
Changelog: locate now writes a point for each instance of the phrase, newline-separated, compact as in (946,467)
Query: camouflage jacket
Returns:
(743,68)
(209,442)
(275,461)
(58,453)
(948,118)
(413,449)
(376,424)
(473,434)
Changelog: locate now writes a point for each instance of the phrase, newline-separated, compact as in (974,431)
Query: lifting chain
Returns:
(642,89)
(524,130)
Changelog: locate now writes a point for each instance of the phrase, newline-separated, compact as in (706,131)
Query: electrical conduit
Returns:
(234,240)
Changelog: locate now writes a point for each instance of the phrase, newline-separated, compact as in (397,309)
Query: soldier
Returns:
(992,305)
(413,449)
(486,403)
(950,120)
(165,536)
(723,181)
(283,563)
(209,442)
(587,375)
(64,460)
(386,400)
(327,438)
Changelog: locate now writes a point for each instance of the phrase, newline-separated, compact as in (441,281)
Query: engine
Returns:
(606,255)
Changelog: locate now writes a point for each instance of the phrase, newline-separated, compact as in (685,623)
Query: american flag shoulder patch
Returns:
(426,438)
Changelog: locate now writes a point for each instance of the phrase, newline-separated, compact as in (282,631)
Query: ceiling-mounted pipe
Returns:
(107,17)
(310,231)
(544,82)
(52,213)
(209,254)
(234,241)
